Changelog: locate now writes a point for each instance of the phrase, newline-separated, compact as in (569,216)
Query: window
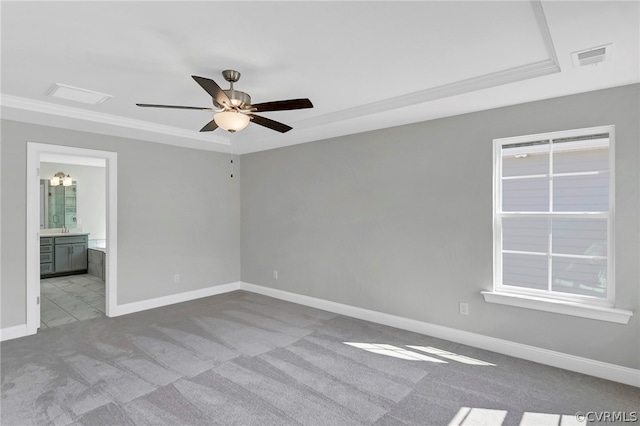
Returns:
(553,216)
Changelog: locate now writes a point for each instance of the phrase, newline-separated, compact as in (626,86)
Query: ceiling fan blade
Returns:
(210,126)
(213,89)
(175,106)
(271,124)
(281,105)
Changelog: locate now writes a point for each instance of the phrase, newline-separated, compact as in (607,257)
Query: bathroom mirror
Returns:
(58,205)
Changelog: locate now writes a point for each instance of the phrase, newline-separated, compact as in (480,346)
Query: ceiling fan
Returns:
(234,109)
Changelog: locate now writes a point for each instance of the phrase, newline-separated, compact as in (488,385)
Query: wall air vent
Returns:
(63,91)
(592,56)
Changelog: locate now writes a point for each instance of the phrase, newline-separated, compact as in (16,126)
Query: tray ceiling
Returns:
(365,65)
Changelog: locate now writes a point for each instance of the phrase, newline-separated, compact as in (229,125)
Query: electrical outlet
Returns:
(464,308)
(275,274)
(176,278)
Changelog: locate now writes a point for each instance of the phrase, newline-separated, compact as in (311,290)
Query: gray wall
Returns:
(396,220)
(400,221)
(178,212)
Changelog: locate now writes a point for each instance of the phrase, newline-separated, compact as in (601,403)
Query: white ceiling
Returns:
(364,64)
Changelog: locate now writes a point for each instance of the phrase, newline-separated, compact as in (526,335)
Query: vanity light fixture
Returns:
(60,179)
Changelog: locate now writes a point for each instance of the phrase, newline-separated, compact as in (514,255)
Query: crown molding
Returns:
(18,108)
(499,78)
(486,81)
(22,109)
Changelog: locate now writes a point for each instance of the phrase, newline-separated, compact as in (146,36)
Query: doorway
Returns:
(61,156)
(72,239)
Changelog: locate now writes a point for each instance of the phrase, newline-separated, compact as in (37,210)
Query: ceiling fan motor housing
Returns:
(238,99)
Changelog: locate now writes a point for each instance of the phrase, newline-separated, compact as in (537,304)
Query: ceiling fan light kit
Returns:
(235,110)
(231,121)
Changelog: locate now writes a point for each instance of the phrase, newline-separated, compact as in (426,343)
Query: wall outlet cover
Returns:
(464,308)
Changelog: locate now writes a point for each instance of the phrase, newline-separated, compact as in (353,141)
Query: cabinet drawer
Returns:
(45,241)
(46,249)
(46,257)
(71,240)
(46,268)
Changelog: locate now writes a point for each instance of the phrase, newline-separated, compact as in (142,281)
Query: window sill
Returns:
(600,313)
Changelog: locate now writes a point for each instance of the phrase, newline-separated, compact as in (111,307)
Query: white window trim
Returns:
(575,305)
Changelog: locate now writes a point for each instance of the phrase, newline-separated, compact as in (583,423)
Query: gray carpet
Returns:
(246,359)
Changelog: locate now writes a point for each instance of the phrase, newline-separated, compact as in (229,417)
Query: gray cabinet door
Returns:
(62,258)
(79,256)
(70,254)
(70,257)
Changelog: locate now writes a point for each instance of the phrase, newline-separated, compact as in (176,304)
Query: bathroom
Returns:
(76,209)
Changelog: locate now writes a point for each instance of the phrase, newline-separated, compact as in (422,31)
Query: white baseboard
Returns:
(13,332)
(578,364)
(158,302)
(129,308)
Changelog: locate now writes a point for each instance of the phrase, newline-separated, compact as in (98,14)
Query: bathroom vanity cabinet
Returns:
(63,254)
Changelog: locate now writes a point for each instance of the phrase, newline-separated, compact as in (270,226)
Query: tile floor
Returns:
(70,299)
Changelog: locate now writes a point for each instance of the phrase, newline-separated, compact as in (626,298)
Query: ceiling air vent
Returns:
(62,91)
(592,56)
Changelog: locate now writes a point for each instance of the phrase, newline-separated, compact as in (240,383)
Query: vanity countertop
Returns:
(62,234)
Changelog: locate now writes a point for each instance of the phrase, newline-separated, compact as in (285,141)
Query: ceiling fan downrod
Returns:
(238,99)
